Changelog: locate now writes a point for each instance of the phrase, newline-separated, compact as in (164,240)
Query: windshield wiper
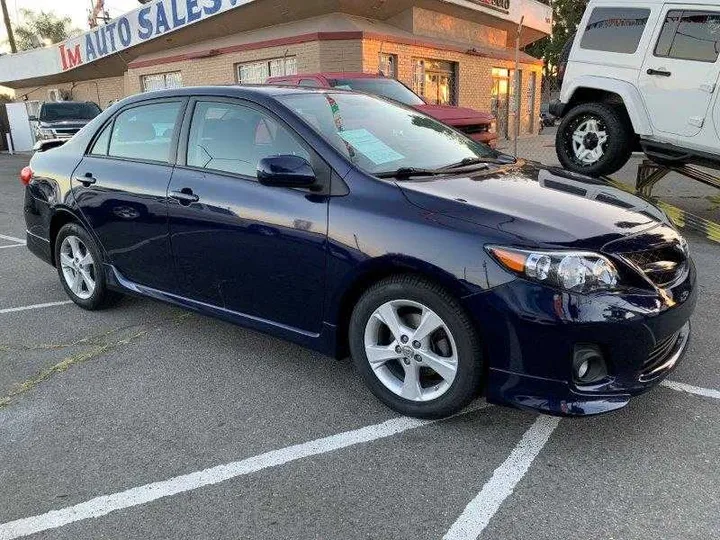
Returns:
(408,172)
(470,161)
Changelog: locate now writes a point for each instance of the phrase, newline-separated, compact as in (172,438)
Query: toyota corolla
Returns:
(356,226)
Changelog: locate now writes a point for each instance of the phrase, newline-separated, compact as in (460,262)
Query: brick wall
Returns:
(101,91)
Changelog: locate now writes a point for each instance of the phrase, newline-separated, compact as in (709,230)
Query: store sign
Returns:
(138,26)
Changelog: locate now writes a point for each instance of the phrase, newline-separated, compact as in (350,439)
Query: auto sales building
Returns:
(459,52)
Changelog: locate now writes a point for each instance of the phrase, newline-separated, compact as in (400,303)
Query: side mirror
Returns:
(286,171)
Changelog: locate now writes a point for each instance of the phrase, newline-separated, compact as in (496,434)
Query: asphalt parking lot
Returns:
(145,421)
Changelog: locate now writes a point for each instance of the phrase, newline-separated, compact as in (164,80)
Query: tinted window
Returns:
(310,83)
(56,112)
(378,135)
(690,35)
(615,29)
(389,88)
(100,148)
(145,132)
(233,138)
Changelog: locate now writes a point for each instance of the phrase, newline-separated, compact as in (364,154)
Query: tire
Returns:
(603,158)
(77,256)
(453,345)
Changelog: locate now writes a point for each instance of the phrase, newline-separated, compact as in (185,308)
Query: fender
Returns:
(629,93)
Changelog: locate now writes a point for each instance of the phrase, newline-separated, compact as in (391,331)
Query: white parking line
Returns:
(136,496)
(35,306)
(697,390)
(481,509)
(12,239)
(12,246)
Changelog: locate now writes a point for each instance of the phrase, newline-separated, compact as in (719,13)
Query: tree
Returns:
(566,17)
(39,29)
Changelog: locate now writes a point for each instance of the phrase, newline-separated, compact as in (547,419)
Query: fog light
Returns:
(588,364)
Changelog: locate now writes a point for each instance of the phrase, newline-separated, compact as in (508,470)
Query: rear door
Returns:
(252,249)
(680,74)
(121,186)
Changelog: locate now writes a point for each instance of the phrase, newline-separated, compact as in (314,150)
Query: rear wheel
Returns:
(79,266)
(594,139)
(415,347)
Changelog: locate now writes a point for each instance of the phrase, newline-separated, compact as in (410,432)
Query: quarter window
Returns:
(690,35)
(100,148)
(145,132)
(617,30)
(234,138)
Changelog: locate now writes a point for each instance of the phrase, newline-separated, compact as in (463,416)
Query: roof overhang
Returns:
(107,50)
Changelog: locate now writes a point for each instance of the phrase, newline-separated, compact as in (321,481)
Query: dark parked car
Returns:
(63,119)
(349,224)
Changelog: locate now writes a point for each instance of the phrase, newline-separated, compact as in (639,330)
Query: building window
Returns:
(435,80)
(161,81)
(388,65)
(258,72)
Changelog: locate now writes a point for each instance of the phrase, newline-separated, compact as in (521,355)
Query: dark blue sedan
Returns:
(353,225)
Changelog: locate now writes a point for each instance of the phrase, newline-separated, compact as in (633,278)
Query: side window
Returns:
(617,30)
(690,35)
(100,148)
(145,132)
(234,138)
(310,83)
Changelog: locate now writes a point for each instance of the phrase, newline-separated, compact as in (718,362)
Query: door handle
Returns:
(659,72)
(185,196)
(87,179)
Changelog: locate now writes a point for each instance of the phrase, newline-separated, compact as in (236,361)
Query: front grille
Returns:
(474,128)
(661,265)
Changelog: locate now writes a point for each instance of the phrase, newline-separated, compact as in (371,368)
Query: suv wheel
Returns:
(415,347)
(80,268)
(594,139)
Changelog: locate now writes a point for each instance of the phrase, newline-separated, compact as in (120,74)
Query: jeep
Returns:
(641,75)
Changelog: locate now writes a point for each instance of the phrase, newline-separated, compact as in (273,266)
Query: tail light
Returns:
(26,175)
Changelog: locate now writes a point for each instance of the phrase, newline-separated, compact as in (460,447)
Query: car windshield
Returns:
(55,112)
(388,88)
(380,137)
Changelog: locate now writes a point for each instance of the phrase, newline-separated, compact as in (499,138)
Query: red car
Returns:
(479,126)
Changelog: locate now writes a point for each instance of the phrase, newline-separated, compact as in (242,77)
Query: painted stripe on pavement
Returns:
(35,306)
(690,389)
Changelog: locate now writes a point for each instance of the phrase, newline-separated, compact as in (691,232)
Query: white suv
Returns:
(641,75)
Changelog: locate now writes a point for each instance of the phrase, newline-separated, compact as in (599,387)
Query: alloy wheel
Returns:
(78,267)
(411,350)
(589,141)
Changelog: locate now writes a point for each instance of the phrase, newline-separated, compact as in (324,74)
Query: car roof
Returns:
(333,75)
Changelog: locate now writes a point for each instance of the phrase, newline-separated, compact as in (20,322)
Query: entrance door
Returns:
(252,249)
(680,74)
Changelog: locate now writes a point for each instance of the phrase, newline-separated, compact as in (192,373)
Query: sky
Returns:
(77,10)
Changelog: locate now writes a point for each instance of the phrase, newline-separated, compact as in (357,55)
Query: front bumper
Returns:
(485,137)
(530,332)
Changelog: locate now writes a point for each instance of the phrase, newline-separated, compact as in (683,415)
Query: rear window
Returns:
(57,112)
(616,30)
(387,88)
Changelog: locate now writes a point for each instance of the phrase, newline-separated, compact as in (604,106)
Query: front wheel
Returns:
(79,266)
(415,347)
(594,139)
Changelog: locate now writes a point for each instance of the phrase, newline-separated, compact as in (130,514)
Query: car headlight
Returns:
(578,271)
(45,134)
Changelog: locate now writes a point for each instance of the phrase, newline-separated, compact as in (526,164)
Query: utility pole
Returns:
(8,27)
(517,84)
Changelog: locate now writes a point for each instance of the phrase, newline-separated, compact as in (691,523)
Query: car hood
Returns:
(456,116)
(538,206)
(64,124)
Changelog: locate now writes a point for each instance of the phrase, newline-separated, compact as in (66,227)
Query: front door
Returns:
(120,188)
(252,249)
(680,74)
